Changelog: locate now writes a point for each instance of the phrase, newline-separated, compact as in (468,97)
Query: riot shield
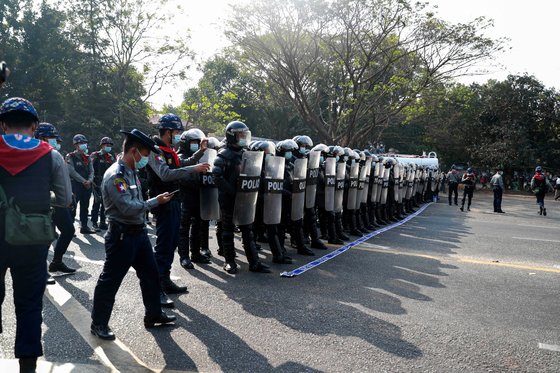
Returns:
(330,181)
(274,184)
(365,192)
(385,183)
(298,188)
(312,174)
(339,188)
(376,187)
(396,178)
(247,188)
(209,204)
(353,187)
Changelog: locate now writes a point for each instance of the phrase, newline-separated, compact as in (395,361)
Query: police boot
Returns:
(365,217)
(251,251)
(27,364)
(277,250)
(359,223)
(312,230)
(297,234)
(323,224)
(379,215)
(391,210)
(371,215)
(336,234)
(169,287)
(352,224)
(398,214)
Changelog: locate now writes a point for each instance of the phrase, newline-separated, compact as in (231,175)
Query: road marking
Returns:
(113,354)
(455,258)
(535,239)
(545,346)
(424,238)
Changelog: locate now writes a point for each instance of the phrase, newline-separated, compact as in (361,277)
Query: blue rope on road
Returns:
(323,259)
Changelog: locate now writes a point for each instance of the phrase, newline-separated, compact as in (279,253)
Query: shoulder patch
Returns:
(120,184)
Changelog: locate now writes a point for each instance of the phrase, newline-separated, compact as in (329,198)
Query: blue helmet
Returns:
(45,130)
(106,141)
(538,169)
(170,122)
(79,139)
(18,104)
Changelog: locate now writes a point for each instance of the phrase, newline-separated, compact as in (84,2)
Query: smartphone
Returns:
(175,191)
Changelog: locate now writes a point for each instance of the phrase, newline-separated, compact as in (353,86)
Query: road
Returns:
(444,292)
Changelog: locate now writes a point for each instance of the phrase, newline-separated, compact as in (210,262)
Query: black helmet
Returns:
(192,134)
(170,122)
(233,129)
(213,143)
(286,146)
(79,139)
(45,130)
(106,140)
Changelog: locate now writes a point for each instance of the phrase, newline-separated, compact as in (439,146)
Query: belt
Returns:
(131,229)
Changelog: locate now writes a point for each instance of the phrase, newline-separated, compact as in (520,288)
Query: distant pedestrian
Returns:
(540,185)
(453,183)
(497,183)
(557,189)
(468,180)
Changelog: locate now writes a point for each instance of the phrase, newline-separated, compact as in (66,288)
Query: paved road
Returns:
(445,292)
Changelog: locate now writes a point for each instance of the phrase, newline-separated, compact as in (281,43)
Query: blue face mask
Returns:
(175,140)
(242,143)
(57,146)
(142,162)
(107,149)
(83,147)
(288,155)
(302,151)
(268,156)
(52,142)
(337,158)
(193,147)
(321,159)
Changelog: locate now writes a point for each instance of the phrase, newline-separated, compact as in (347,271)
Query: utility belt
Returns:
(128,229)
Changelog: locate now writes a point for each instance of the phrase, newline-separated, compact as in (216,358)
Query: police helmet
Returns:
(361,155)
(170,122)
(234,128)
(304,141)
(286,146)
(256,145)
(538,169)
(320,148)
(106,141)
(335,151)
(79,139)
(469,170)
(192,134)
(45,130)
(213,143)
(20,106)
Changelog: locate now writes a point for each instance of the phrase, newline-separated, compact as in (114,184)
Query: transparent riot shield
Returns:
(274,184)
(312,174)
(298,188)
(366,190)
(247,188)
(209,204)
(339,189)
(353,187)
(330,182)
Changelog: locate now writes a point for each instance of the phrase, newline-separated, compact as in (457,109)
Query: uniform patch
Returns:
(120,184)
(158,158)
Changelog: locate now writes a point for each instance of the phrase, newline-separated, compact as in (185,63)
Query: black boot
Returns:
(275,247)
(165,301)
(338,228)
(333,236)
(297,234)
(169,287)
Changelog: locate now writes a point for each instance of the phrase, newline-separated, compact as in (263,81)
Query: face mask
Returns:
(288,155)
(321,159)
(83,147)
(57,146)
(302,151)
(107,149)
(52,142)
(345,158)
(193,147)
(267,156)
(337,158)
(242,143)
(175,140)
(142,162)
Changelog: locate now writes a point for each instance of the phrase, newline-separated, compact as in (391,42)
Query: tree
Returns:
(350,67)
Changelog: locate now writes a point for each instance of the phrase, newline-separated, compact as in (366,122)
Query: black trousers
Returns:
(497,199)
(63,220)
(122,252)
(82,196)
(453,191)
(467,194)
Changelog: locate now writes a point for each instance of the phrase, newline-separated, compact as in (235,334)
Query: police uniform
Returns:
(126,245)
(80,169)
(101,162)
(453,183)
(497,184)
(29,170)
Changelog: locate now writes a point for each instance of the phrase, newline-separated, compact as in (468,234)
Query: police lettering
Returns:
(250,184)
(331,181)
(207,179)
(274,186)
(312,173)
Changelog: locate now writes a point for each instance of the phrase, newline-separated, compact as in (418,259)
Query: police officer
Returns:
(226,173)
(468,180)
(62,216)
(305,144)
(126,241)
(453,184)
(101,161)
(193,230)
(29,170)
(81,173)
(497,183)
(164,173)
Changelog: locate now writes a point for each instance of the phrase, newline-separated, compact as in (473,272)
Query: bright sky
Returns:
(530,26)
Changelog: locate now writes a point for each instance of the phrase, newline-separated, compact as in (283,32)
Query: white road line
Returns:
(535,239)
(545,346)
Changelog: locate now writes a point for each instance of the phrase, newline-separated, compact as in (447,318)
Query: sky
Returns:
(530,26)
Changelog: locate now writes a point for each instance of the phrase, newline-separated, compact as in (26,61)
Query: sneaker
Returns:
(60,267)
